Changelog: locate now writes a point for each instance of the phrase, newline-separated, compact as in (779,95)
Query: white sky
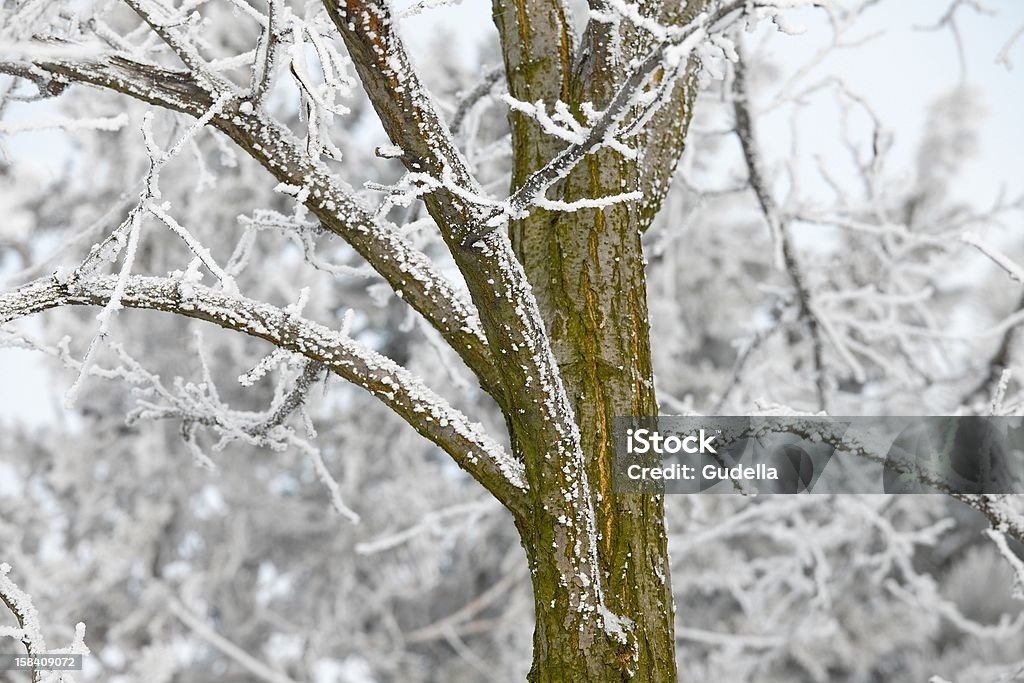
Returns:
(900,74)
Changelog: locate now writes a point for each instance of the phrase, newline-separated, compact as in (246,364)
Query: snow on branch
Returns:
(1016,564)
(29,630)
(320,100)
(589,203)
(1012,269)
(302,232)
(265,55)
(254,666)
(560,124)
(396,387)
(199,407)
(476,95)
(126,237)
(785,252)
(644,91)
(167,24)
(407,270)
(421,6)
(614,11)
(999,511)
(510,314)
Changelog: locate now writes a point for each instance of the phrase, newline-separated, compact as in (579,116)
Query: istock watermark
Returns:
(642,441)
(803,455)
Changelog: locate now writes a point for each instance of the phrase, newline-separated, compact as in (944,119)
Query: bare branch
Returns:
(165,26)
(405,268)
(780,233)
(262,71)
(1004,53)
(223,645)
(470,99)
(424,410)
(29,630)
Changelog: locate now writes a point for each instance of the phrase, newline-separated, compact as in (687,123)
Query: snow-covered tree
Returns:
(514,235)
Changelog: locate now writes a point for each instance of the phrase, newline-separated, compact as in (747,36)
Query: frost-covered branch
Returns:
(403,104)
(998,510)
(409,272)
(667,59)
(783,245)
(166,24)
(266,52)
(537,45)
(470,99)
(1000,361)
(424,410)
(406,269)
(29,630)
(1015,562)
(750,347)
(223,645)
(312,372)
(1015,271)
(147,82)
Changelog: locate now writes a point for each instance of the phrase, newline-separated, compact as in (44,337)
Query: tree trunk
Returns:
(587,272)
(591,291)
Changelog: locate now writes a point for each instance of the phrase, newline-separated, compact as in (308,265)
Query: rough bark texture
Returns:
(587,272)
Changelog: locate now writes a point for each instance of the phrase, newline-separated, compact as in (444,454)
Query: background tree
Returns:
(551,342)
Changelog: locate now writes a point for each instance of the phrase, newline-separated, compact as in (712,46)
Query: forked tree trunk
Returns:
(587,272)
(598,560)
(589,281)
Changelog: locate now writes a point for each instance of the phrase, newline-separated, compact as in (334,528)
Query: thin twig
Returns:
(1001,360)
(263,71)
(758,183)
(225,646)
(470,99)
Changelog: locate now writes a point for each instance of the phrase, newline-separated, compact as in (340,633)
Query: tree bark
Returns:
(587,272)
